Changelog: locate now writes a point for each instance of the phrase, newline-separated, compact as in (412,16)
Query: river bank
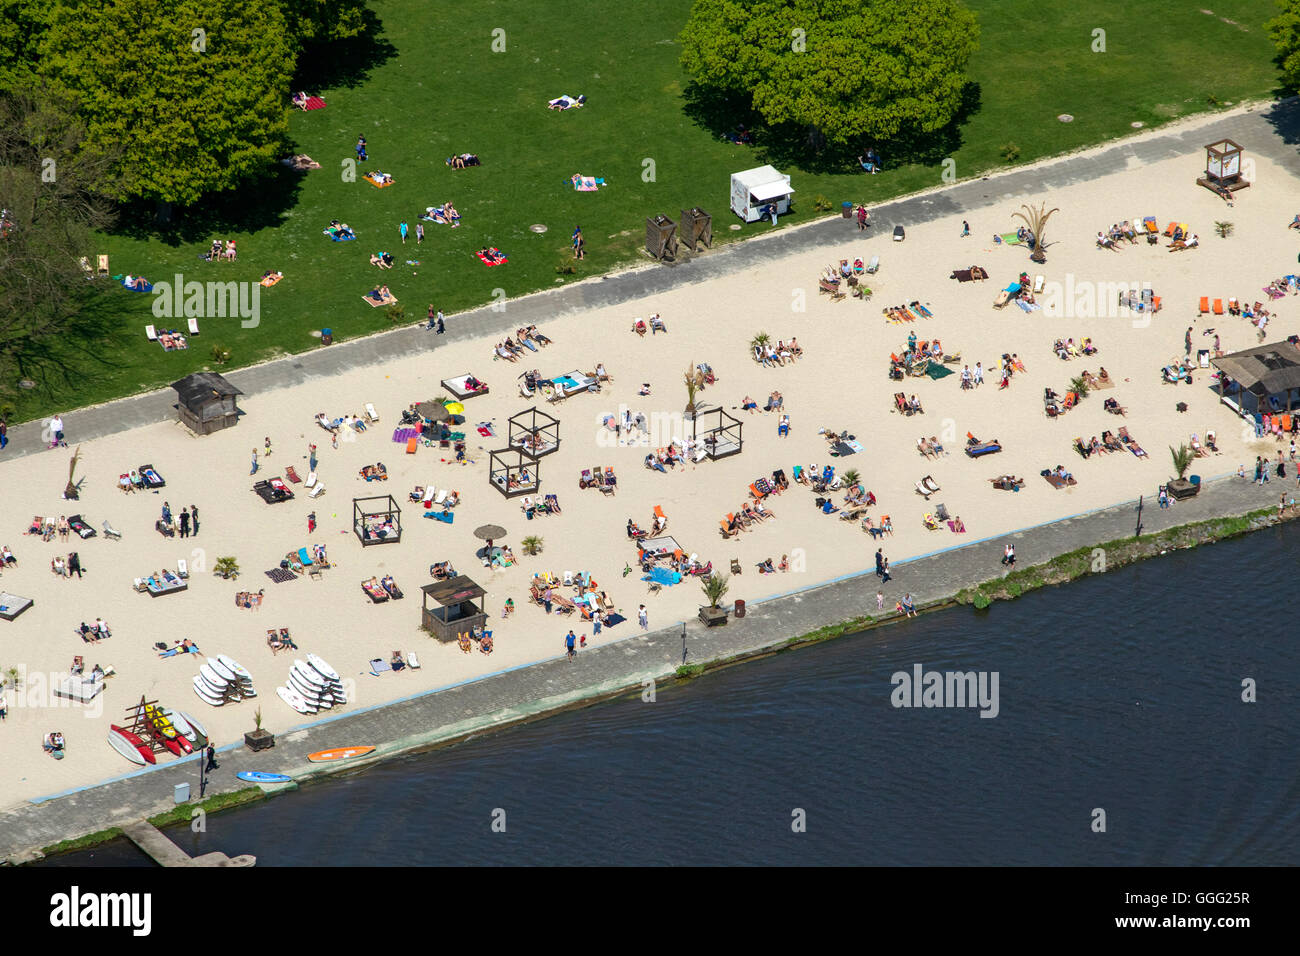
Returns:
(1228,508)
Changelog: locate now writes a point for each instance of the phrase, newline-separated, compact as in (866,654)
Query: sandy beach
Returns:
(839,384)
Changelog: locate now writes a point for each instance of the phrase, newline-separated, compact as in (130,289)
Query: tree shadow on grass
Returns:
(344,63)
(719,112)
(1284,117)
(259,203)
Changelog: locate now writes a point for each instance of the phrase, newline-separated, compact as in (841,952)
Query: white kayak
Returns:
(206,695)
(197,727)
(234,667)
(181,724)
(212,678)
(313,697)
(322,668)
(127,749)
(295,700)
(221,670)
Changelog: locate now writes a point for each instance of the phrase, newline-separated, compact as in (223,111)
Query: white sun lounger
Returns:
(441,497)
(151,333)
(311,480)
(194,326)
(412,661)
(317,491)
(182,569)
(1039,281)
(371,414)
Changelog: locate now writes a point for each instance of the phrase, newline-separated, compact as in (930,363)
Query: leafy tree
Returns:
(850,69)
(318,21)
(1284,29)
(50,183)
(193,92)
(22,25)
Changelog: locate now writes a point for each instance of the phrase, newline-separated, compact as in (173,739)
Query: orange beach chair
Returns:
(1218,307)
(1205,304)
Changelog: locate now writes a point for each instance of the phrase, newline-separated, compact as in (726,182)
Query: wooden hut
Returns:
(454,611)
(1223,174)
(697,229)
(206,402)
(661,238)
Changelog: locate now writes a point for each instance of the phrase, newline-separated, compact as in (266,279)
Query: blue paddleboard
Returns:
(258,776)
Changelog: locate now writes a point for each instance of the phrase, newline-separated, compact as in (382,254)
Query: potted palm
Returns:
(694,381)
(758,343)
(259,739)
(227,568)
(1181,487)
(531,544)
(714,588)
(1079,385)
(851,478)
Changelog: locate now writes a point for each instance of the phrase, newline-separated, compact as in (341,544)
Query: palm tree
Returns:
(694,381)
(227,568)
(1182,458)
(851,477)
(715,588)
(760,340)
(1079,384)
(1224,229)
(1035,221)
(532,544)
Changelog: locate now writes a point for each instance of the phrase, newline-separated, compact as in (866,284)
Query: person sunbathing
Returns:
(761,510)
(300,100)
(566,102)
(924,448)
(456,162)
(503,352)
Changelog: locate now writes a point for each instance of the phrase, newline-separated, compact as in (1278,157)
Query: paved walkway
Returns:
(524,692)
(1272,132)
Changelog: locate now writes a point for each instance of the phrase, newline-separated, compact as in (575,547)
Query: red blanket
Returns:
(489,262)
(314,103)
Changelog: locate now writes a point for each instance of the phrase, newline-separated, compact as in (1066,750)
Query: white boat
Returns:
(206,695)
(221,670)
(295,700)
(322,668)
(234,667)
(127,749)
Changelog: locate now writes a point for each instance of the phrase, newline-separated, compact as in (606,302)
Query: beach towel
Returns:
(586,184)
(370,178)
(314,103)
(148,286)
(1010,238)
(403,435)
(937,371)
(280,575)
(379,665)
(612,620)
(376,303)
(338,236)
(446,517)
(485,430)
(489,262)
(271,280)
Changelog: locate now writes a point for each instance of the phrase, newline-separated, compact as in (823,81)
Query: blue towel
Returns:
(447,517)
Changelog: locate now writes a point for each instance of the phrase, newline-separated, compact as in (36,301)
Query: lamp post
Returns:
(684,642)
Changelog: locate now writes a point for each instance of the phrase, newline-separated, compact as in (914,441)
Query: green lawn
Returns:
(432,86)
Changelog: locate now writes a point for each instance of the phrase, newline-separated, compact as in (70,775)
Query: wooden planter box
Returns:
(259,740)
(1181,488)
(713,616)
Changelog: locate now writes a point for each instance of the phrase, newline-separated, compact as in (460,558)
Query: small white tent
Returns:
(754,189)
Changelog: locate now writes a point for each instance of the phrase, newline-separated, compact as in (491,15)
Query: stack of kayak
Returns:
(172,730)
(312,686)
(223,681)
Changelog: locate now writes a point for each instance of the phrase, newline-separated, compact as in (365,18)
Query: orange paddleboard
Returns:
(339,753)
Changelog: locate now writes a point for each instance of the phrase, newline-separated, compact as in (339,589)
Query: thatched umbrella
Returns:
(489,532)
(433,411)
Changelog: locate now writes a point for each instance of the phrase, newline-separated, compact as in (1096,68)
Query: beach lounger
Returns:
(926,487)
(412,661)
(1218,307)
(291,474)
(411,445)
(1132,446)
(151,333)
(873,266)
(372,416)
(317,491)
(194,326)
(111,533)
(1204,308)
(182,569)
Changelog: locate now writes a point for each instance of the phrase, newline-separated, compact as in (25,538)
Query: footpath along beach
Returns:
(712,308)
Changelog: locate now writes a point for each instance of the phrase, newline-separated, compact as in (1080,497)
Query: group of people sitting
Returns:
(441,570)
(381,294)
(747,516)
(78,669)
(463,160)
(7,559)
(782,352)
(669,455)
(766,567)
(656,325)
(929,448)
(492,254)
(382,259)
(444,214)
(93,633)
(1066,349)
(220,250)
(908,405)
(1094,446)
(66,569)
(340,230)
(248,599)
(333,425)
(137,283)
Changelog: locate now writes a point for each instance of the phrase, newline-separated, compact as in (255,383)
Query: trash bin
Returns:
(1194,479)
(326,336)
(180,792)
(740,608)
(846,210)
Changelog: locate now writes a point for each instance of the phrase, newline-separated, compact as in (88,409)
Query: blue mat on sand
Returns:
(613,619)
(447,517)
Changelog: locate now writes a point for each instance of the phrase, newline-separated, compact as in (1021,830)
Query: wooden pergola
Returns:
(721,432)
(455,611)
(534,432)
(376,520)
(513,473)
(1223,173)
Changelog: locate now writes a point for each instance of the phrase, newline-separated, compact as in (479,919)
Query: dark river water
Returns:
(1118,695)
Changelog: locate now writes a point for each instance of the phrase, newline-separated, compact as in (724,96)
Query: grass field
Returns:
(431,85)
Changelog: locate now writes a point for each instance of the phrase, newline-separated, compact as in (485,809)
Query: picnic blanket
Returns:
(586,184)
(843,448)
(435,214)
(374,303)
(148,286)
(489,262)
(280,575)
(314,103)
(371,178)
(339,236)
(1010,238)
(403,435)
(485,429)
(613,619)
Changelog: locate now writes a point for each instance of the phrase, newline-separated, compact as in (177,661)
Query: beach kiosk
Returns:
(206,402)
(453,611)
(1261,380)
(755,189)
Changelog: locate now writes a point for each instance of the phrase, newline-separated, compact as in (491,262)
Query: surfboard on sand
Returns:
(125,742)
(339,753)
(261,776)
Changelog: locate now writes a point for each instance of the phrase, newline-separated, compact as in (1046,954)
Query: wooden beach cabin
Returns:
(206,402)
(1260,380)
(449,608)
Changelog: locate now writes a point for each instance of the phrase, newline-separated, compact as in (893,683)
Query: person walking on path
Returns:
(643,617)
(267,453)
(212,759)
(880,600)
(185,523)
(1187,342)
(1009,556)
(441,325)
(965,229)
(311,457)
(56,432)
(4,434)
(884,570)
(880,562)
(862,218)
(194,520)
(253,470)
(569,645)
(419,233)
(429,320)
(402,228)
